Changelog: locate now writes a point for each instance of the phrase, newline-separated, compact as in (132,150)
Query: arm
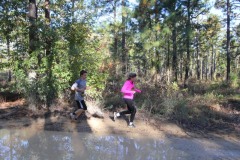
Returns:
(137,90)
(80,90)
(125,90)
(75,88)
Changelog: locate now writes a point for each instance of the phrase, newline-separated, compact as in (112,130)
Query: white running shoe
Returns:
(72,116)
(131,126)
(114,116)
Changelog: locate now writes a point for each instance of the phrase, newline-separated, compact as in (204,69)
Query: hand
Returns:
(138,90)
(88,87)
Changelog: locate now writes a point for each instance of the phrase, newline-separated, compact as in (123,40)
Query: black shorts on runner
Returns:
(81,105)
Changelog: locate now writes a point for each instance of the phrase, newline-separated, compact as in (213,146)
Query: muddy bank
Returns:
(98,122)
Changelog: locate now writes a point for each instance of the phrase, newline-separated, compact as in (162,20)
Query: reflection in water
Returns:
(44,145)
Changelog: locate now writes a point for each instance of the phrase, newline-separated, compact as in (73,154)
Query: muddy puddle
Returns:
(26,144)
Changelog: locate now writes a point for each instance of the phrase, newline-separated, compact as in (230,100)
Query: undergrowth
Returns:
(191,107)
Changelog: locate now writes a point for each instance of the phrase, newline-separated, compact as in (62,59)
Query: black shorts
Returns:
(81,105)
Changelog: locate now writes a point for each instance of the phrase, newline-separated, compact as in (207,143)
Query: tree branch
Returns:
(199,13)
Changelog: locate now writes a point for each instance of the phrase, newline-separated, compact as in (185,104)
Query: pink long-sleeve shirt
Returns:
(128,90)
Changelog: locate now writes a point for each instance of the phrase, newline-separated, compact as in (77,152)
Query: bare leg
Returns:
(79,112)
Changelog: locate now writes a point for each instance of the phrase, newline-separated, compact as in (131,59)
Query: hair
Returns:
(131,75)
(82,72)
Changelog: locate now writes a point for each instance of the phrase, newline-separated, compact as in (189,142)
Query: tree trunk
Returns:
(188,27)
(7,33)
(174,59)
(212,62)
(156,38)
(237,61)
(228,41)
(115,50)
(123,38)
(198,61)
(206,68)
(181,67)
(49,55)
(47,19)
(145,66)
(168,60)
(32,27)
(73,4)
(8,59)
(202,67)
(34,95)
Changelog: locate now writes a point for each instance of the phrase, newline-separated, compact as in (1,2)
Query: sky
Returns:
(213,10)
(135,2)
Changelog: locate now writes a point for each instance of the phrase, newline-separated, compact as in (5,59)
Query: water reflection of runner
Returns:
(79,87)
(128,91)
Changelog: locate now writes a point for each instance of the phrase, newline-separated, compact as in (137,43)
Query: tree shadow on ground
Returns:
(20,116)
(59,120)
(205,120)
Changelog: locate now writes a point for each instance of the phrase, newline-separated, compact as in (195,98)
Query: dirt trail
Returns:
(20,117)
(12,117)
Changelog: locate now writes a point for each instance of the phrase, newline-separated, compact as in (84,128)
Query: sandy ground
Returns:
(94,121)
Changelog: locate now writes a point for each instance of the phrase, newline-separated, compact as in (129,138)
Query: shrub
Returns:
(113,101)
(234,80)
(181,112)
(167,106)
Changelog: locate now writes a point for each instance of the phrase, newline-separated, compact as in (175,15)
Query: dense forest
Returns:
(45,43)
(185,53)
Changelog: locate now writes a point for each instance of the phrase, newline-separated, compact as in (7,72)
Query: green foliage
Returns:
(210,97)
(234,80)
(73,47)
(174,86)
(169,105)
(114,102)
(155,32)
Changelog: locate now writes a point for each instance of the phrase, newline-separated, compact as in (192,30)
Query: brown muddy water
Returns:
(24,144)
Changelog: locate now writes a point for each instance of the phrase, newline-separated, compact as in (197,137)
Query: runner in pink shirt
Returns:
(128,91)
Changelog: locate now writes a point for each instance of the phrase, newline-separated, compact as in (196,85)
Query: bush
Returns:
(181,112)
(169,105)
(234,80)
(113,101)
(70,53)
(160,99)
